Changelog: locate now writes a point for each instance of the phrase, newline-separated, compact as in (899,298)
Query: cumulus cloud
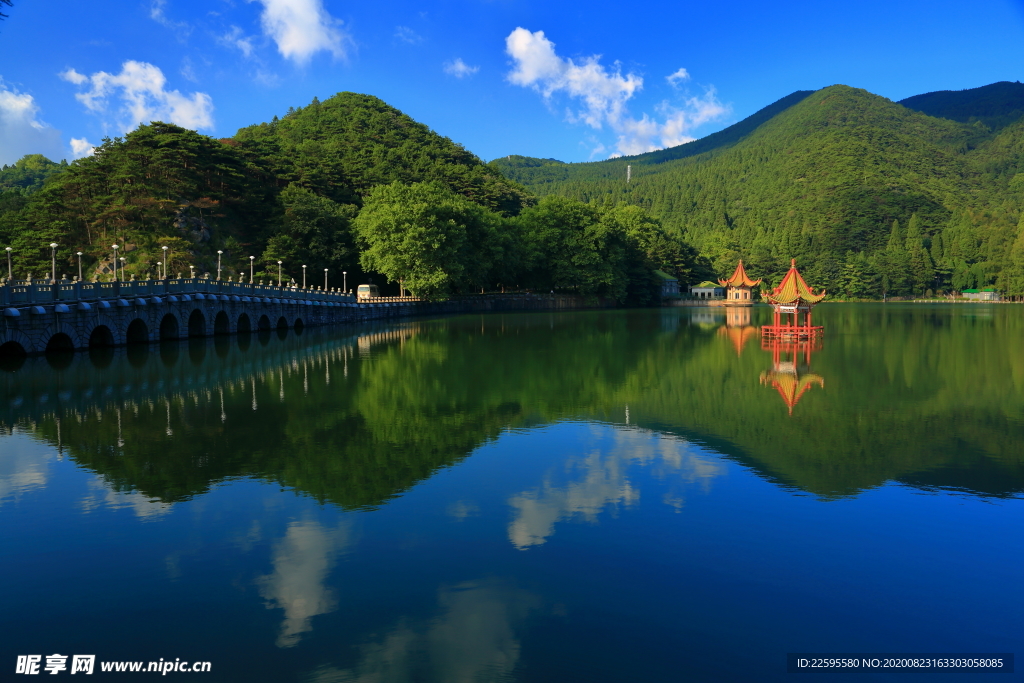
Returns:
(678,77)
(156,13)
(301,28)
(141,91)
(21,131)
(459,68)
(407,35)
(80,147)
(237,39)
(603,93)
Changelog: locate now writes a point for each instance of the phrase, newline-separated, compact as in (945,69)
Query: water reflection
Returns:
(599,481)
(355,417)
(473,639)
(24,465)
(302,560)
(791,364)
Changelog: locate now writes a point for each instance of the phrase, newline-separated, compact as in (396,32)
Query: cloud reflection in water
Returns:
(602,482)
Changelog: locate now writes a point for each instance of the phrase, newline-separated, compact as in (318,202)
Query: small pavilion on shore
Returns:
(738,287)
(791,299)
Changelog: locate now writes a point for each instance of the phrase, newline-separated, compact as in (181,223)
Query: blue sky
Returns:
(572,81)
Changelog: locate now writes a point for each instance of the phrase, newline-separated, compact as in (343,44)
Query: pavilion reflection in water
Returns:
(791,367)
(791,372)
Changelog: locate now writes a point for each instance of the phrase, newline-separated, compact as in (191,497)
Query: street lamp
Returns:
(344,281)
(9,250)
(279,273)
(219,252)
(114,246)
(79,265)
(325,279)
(165,261)
(191,272)
(251,259)
(303,276)
(53,261)
(122,266)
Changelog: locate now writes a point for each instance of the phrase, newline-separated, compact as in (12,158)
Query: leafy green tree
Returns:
(426,236)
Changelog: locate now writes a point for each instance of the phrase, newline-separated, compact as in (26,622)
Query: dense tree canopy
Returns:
(821,178)
(349,184)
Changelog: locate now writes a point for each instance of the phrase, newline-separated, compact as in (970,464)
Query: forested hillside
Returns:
(348,184)
(872,198)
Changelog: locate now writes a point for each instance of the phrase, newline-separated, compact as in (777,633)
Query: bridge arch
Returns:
(169,327)
(60,342)
(137,332)
(264,323)
(101,336)
(282,323)
(12,348)
(298,325)
(244,323)
(221,323)
(197,324)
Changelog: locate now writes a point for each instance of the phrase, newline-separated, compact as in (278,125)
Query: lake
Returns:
(633,495)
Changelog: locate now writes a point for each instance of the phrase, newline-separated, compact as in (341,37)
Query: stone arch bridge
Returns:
(44,316)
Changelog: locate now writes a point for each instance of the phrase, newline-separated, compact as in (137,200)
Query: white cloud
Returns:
(459,68)
(237,39)
(156,13)
(407,35)
(301,28)
(604,92)
(21,131)
(678,77)
(80,147)
(141,89)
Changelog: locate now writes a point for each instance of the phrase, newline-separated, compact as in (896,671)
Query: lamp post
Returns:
(344,281)
(122,266)
(251,259)
(191,272)
(303,276)
(325,279)
(279,273)
(114,247)
(219,252)
(53,262)
(9,250)
(79,265)
(165,261)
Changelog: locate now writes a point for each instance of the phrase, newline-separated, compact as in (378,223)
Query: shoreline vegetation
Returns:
(875,200)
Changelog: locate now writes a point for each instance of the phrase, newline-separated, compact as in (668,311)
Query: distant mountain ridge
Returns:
(996,105)
(874,197)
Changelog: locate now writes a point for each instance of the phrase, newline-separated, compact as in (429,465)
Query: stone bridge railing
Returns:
(40,316)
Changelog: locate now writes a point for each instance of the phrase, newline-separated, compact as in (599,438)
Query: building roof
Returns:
(708,284)
(665,276)
(739,278)
(793,289)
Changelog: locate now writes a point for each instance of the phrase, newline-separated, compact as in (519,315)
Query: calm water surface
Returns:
(609,496)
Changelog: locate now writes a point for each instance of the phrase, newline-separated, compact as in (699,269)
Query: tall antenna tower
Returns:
(629,172)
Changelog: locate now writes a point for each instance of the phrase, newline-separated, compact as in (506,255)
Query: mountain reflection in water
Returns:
(603,496)
(357,419)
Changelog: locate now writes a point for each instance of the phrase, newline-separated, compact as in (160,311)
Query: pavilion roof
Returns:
(739,278)
(793,289)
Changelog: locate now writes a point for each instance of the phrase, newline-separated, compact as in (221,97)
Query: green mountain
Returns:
(996,105)
(873,198)
(349,184)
